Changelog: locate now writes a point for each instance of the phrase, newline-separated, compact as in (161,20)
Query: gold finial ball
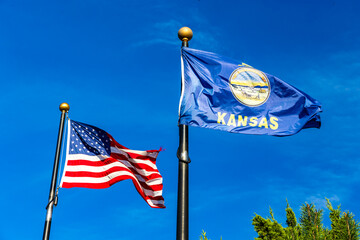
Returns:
(185,34)
(64,107)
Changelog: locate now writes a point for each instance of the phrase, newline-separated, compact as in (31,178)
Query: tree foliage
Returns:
(204,237)
(268,228)
(310,227)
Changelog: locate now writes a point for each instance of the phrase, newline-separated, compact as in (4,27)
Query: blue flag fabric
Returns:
(225,94)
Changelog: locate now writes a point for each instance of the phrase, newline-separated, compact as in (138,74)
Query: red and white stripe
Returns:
(99,171)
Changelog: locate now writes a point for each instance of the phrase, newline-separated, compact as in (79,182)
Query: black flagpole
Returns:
(182,227)
(64,108)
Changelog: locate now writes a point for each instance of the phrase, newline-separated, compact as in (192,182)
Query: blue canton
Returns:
(89,140)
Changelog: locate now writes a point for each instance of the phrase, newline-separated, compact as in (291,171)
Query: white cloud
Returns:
(319,200)
(165,32)
(161,33)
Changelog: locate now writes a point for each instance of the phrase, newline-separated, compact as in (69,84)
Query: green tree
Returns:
(293,231)
(204,237)
(311,223)
(268,229)
(343,224)
(310,227)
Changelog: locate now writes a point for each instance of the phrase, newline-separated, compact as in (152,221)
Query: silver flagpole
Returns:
(64,108)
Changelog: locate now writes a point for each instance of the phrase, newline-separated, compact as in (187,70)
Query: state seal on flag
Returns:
(249,86)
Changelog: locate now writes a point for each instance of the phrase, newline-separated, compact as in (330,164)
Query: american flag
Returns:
(95,160)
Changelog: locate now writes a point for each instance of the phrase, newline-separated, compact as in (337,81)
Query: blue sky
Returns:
(117,63)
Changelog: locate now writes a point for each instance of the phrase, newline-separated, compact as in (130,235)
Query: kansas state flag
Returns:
(225,94)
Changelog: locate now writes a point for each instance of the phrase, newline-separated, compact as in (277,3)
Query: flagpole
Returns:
(182,228)
(64,108)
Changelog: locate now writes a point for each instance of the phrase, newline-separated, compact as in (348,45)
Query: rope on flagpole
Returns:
(61,162)
(63,149)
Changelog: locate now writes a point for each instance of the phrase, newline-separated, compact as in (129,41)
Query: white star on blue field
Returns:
(117,64)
